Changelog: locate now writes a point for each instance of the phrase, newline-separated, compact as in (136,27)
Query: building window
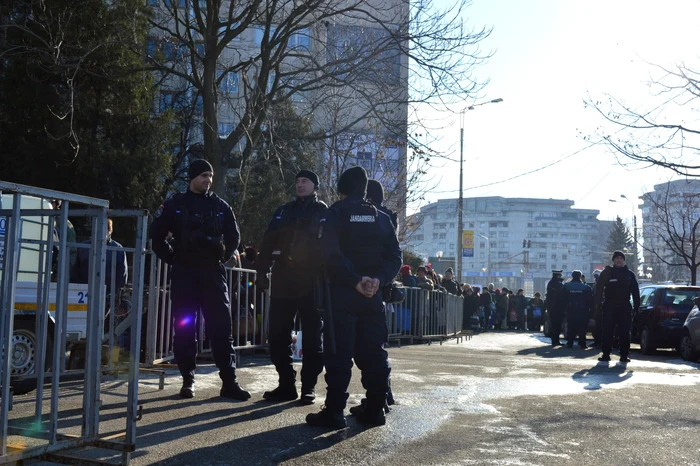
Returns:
(564,257)
(171,100)
(229,83)
(300,40)
(225,129)
(260,32)
(364,159)
(443,235)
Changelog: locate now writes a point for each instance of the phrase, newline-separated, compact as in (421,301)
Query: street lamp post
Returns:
(460,202)
(488,257)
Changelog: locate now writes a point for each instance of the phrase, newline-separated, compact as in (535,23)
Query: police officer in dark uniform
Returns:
(291,242)
(555,308)
(196,232)
(616,284)
(577,300)
(375,195)
(361,253)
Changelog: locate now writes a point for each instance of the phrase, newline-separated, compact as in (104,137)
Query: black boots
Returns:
(234,391)
(284,392)
(187,390)
(308,395)
(356,410)
(604,358)
(327,418)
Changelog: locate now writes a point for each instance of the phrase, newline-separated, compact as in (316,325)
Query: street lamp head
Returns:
(612,200)
(495,101)
(623,196)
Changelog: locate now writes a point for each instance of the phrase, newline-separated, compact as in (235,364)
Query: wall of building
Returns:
(555,236)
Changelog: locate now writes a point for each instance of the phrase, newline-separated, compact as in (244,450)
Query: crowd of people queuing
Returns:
(483,309)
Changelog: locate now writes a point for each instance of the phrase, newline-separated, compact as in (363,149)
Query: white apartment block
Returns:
(670,213)
(517,241)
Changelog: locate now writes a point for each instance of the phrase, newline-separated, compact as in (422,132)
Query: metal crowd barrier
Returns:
(425,315)
(249,313)
(38,328)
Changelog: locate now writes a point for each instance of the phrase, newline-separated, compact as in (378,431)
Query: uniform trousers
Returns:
(202,288)
(360,331)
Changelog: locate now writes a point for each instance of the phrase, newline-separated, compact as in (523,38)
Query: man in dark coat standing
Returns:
(555,306)
(290,247)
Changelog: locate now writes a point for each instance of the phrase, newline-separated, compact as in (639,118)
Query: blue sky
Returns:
(549,55)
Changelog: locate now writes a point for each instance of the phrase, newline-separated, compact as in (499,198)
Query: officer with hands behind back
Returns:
(196,232)
(291,242)
(616,284)
(577,301)
(361,253)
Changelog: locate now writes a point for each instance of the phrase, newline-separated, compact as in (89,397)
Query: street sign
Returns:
(467,243)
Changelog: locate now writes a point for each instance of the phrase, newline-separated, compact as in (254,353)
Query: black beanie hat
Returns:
(618,254)
(353,181)
(198,167)
(313,177)
(375,192)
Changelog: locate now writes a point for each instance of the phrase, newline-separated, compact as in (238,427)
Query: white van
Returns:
(24,333)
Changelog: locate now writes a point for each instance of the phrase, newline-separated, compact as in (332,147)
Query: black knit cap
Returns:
(375,192)
(198,167)
(353,181)
(313,177)
(618,254)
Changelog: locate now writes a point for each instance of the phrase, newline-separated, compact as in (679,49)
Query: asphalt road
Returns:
(499,398)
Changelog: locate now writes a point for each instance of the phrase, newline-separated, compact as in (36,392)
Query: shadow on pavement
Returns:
(602,374)
(560,352)
(275,446)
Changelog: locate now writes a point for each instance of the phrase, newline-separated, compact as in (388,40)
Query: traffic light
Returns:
(524,243)
(529,243)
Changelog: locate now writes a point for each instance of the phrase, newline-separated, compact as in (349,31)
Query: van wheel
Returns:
(23,357)
(646,341)
(546,328)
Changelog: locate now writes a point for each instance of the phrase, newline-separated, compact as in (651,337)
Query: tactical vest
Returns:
(298,243)
(199,232)
(617,288)
(359,234)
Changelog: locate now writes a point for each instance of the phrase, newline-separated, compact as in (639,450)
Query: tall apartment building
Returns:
(363,111)
(670,226)
(517,241)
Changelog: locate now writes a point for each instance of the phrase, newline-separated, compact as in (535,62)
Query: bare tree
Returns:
(661,136)
(247,56)
(672,238)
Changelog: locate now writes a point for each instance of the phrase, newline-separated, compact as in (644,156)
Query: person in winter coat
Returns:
(520,306)
(450,284)
(534,315)
(470,307)
(485,305)
(406,277)
(422,280)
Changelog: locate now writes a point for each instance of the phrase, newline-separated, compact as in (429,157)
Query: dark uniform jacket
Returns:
(577,298)
(290,247)
(358,240)
(554,298)
(617,284)
(204,230)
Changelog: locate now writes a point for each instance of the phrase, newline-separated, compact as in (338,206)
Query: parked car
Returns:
(662,312)
(690,339)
